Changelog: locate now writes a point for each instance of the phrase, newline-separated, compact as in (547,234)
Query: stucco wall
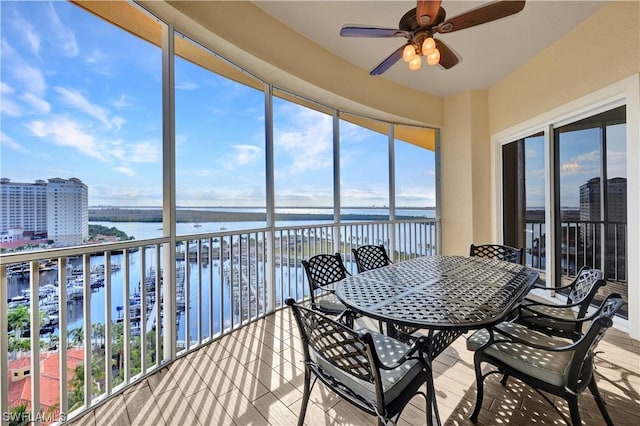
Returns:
(466,173)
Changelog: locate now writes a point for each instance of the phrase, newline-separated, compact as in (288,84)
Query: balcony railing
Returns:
(583,243)
(99,318)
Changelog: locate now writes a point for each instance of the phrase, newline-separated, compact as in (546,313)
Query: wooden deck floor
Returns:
(254,377)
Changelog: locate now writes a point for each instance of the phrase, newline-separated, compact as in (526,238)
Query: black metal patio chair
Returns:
(324,271)
(370,257)
(551,364)
(560,319)
(498,251)
(373,372)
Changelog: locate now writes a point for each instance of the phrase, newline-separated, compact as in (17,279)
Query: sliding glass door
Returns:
(587,181)
(523,197)
(591,198)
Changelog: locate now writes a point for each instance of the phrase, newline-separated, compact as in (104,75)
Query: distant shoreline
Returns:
(182,216)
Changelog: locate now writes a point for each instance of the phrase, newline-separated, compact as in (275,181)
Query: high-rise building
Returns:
(67,211)
(23,208)
(613,227)
(57,210)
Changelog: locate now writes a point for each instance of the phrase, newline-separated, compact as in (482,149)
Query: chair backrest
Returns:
(584,287)
(324,269)
(370,257)
(328,341)
(498,251)
(581,367)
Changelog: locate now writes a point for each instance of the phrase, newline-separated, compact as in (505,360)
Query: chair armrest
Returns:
(549,305)
(516,339)
(418,346)
(586,318)
(539,287)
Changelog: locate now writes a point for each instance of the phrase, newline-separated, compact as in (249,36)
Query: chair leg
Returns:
(432,406)
(479,389)
(593,387)
(574,411)
(305,396)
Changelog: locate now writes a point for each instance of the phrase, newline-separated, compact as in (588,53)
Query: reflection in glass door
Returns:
(523,198)
(591,198)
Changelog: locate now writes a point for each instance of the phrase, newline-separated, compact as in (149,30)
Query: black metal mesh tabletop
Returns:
(439,292)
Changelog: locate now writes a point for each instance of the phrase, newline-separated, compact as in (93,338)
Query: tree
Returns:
(19,415)
(54,340)
(98,333)
(76,336)
(17,319)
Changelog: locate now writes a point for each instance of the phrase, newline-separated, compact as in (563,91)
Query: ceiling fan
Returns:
(421,23)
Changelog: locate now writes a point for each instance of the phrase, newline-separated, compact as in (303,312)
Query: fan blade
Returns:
(426,11)
(363,31)
(389,61)
(447,58)
(483,14)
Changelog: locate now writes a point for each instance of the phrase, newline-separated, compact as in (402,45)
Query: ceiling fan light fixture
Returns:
(434,58)
(415,63)
(409,53)
(428,46)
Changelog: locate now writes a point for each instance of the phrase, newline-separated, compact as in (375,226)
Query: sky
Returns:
(580,158)
(82,98)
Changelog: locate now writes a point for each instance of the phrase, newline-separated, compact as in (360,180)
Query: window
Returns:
(220,145)
(590,198)
(77,104)
(592,205)
(303,159)
(364,171)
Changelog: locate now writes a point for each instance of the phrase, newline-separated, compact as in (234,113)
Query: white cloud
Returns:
(10,108)
(186,85)
(309,141)
(5,89)
(64,37)
(144,152)
(121,102)
(103,194)
(95,56)
(616,164)
(118,122)
(66,132)
(31,78)
(570,167)
(75,99)
(26,33)
(242,156)
(588,157)
(125,170)
(6,48)
(38,104)
(8,142)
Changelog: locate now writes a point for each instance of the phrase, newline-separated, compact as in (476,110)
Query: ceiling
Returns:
(487,53)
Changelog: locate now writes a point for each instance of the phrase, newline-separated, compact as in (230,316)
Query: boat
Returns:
(197,225)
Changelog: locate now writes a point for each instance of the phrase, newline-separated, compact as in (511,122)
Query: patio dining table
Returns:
(445,295)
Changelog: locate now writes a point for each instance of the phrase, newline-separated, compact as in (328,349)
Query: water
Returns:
(221,293)
(291,276)
(146,230)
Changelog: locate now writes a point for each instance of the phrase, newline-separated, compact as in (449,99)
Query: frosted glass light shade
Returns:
(408,53)
(428,46)
(415,63)
(434,58)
